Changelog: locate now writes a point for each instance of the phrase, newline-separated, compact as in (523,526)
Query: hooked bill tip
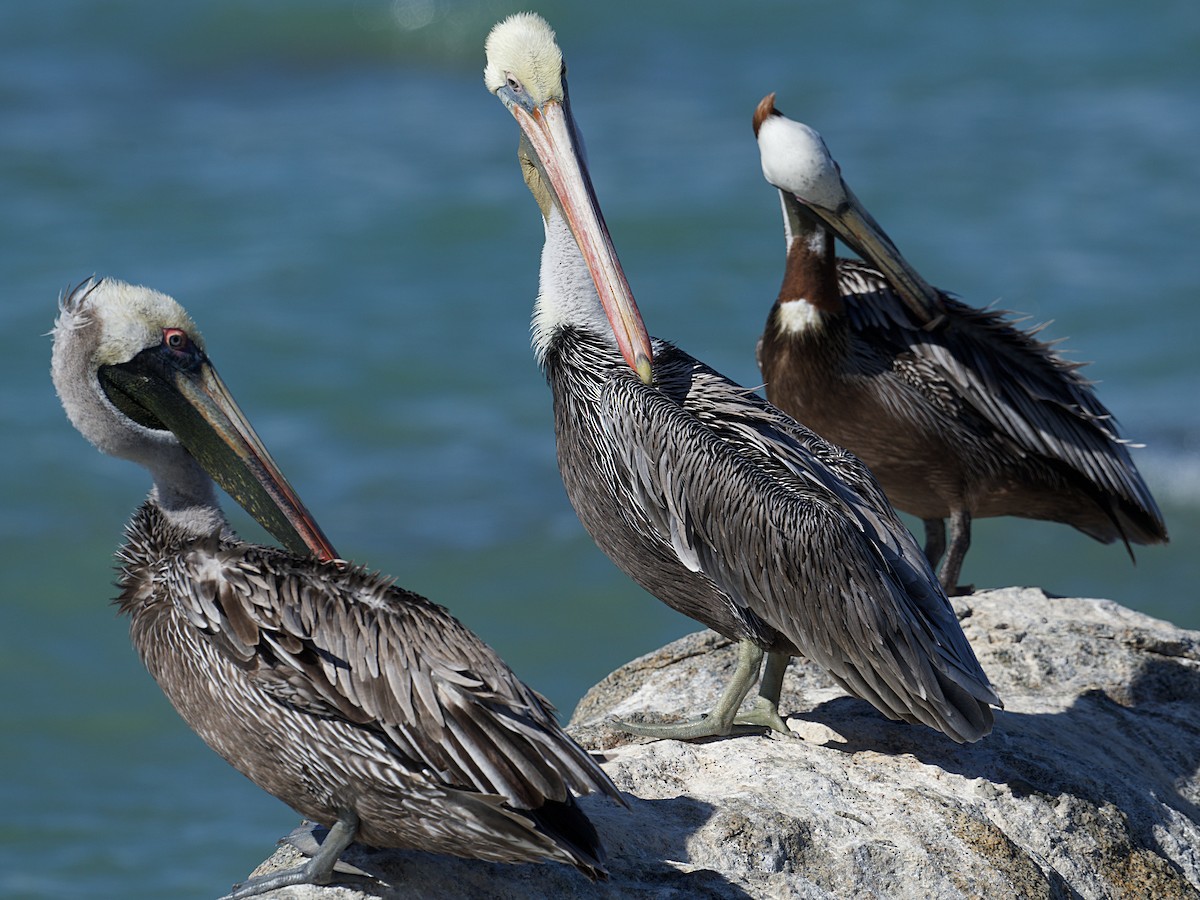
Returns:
(645,370)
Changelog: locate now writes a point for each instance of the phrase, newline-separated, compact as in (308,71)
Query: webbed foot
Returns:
(317,870)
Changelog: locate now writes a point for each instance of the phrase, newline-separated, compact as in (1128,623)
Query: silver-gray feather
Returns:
(737,516)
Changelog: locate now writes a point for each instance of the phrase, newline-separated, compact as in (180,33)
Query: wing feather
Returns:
(797,531)
(1003,375)
(347,644)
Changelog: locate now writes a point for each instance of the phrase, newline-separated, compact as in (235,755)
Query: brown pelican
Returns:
(703,493)
(364,707)
(957,412)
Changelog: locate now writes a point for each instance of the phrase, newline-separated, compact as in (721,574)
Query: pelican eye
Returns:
(514,85)
(177,339)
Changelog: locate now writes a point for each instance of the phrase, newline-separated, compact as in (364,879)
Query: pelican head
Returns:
(525,69)
(523,55)
(796,161)
(131,371)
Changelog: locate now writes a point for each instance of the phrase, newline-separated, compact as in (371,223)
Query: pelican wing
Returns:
(348,644)
(798,532)
(979,364)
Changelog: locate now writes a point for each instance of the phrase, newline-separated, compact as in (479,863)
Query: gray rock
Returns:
(1088,787)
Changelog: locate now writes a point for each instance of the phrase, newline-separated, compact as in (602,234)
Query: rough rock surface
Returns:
(1089,787)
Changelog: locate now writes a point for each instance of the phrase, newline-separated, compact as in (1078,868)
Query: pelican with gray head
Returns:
(366,708)
(958,412)
(711,499)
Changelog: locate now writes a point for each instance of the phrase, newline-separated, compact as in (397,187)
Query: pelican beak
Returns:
(188,398)
(550,131)
(858,228)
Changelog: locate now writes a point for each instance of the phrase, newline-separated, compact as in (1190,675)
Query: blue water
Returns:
(332,193)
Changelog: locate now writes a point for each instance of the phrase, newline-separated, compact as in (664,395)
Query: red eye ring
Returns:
(176,339)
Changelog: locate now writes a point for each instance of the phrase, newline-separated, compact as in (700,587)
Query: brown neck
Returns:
(810,273)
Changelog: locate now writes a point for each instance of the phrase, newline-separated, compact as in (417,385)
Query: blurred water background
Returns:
(332,193)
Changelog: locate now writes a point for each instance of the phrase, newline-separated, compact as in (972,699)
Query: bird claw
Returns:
(765,714)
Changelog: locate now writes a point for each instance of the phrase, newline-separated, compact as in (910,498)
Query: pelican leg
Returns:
(935,541)
(318,869)
(960,542)
(719,722)
(765,711)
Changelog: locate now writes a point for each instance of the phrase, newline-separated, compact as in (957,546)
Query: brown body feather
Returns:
(336,691)
(973,414)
